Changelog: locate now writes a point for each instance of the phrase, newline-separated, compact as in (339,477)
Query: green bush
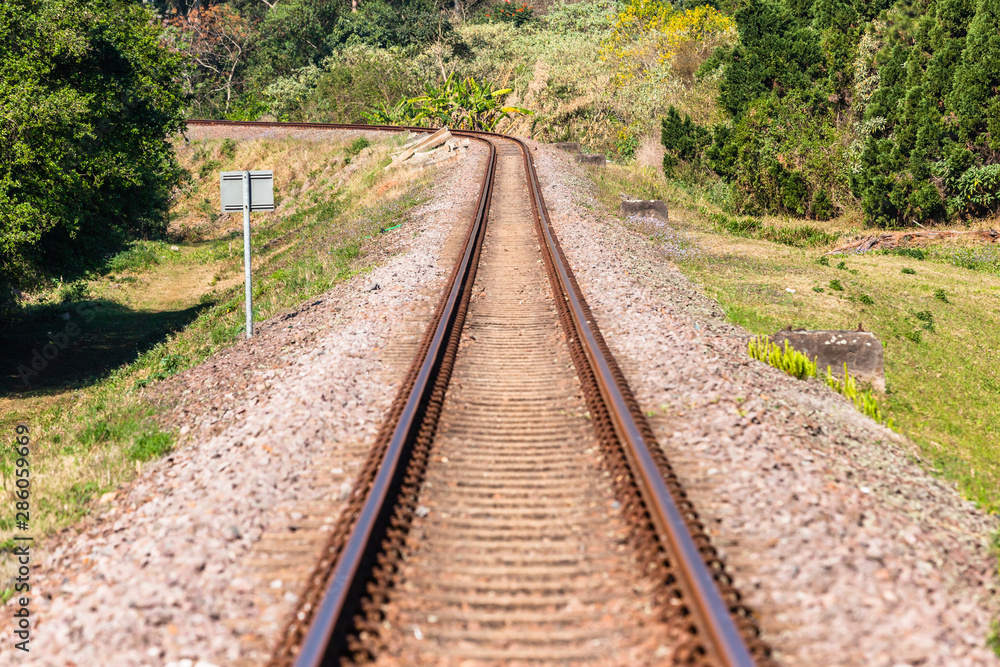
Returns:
(784,155)
(802,236)
(77,291)
(140,255)
(344,88)
(912,253)
(864,401)
(207,168)
(463,104)
(227,148)
(776,53)
(89,97)
(384,24)
(682,140)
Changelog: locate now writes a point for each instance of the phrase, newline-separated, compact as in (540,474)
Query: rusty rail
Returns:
(721,630)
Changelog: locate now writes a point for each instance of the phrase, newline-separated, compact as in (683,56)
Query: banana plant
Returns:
(461,104)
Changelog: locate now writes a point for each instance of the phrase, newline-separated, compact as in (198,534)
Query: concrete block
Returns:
(425,143)
(568,146)
(656,208)
(591,158)
(860,350)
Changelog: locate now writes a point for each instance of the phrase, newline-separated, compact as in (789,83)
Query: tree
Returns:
(974,93)
(292,35)
(88,100)
(219,42)
(775,55)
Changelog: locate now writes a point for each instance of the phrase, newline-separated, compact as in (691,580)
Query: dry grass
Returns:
(650,153)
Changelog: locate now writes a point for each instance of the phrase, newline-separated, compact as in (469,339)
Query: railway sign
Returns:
(247,191)
(261,190)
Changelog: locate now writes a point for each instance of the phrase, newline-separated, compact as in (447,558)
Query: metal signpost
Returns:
(247,191)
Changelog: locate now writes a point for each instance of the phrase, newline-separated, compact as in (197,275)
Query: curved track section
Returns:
(516,507)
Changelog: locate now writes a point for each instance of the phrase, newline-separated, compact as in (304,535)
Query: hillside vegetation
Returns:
(816,109)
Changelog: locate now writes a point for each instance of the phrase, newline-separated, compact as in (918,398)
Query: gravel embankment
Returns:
(850,551)
(169,573)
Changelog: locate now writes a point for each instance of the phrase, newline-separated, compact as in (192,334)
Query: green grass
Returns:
(943,384)
(139,256)
(799,236)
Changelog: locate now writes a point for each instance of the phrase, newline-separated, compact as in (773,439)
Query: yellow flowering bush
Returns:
(650,34)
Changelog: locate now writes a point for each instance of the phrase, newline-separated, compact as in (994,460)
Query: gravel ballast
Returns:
(849,550)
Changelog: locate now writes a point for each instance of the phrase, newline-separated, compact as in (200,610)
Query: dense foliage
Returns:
(834,103)
(236,50)
(88,99)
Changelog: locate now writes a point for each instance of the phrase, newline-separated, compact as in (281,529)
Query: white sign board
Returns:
(261,191)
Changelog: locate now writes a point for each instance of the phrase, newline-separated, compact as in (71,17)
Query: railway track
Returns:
(516,508)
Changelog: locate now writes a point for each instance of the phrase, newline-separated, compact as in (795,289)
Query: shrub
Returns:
(357,146)
(682,139)
(508,12)
(864,401)
(76,291)
(141,255)
(940,295)
(775,53)
(89,99)
(907,270)
(799,237)
(912,253)
(207,167)
(784,155)
(836,286)
(798,365)
(650,34)
(866,300)
(227,148)
(150,445)
(344,87)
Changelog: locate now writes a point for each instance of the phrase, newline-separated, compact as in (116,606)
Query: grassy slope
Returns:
(91,428)
(941,391)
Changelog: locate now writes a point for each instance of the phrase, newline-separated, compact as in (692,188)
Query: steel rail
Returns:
(723,640)
(712,611)
(347,582)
